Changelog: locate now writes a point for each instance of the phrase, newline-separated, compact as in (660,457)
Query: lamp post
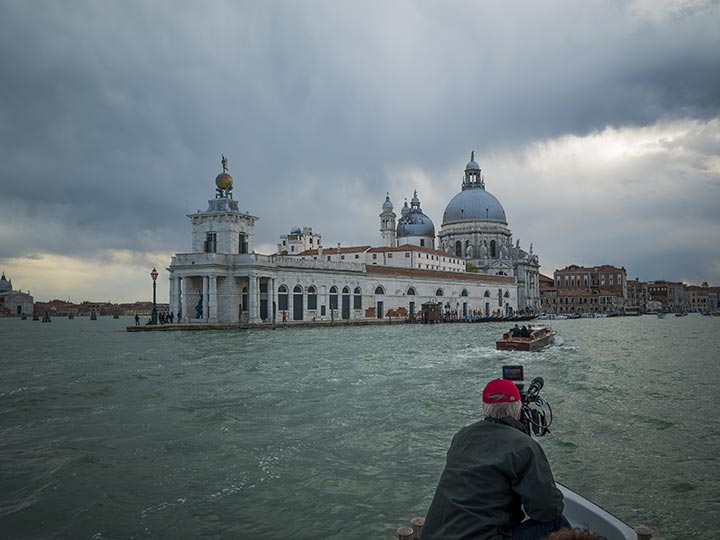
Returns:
(154,275)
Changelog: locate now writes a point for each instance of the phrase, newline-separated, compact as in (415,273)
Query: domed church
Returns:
(475,227)
(14,302)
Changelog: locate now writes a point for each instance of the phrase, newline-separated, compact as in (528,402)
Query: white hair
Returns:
(502,410)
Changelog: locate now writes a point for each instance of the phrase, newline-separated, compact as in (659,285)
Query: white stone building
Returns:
(223,280)
(15,302)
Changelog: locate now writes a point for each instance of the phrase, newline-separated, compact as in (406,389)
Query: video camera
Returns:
(536,411)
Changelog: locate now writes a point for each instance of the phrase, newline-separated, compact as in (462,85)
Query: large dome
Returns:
(474,205)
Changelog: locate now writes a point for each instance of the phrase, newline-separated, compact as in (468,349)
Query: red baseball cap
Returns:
(500,391)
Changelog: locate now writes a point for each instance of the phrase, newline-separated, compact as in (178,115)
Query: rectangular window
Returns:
(243,244)
(292,248)
(210,242)
(374,256)
(357,256)
(322,311)
(328,257)
(407,254)
(422,242)
(389,255)
(342,257)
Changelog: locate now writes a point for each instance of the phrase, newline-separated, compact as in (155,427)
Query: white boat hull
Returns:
(585,514)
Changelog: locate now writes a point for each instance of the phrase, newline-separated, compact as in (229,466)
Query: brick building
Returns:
(579,289)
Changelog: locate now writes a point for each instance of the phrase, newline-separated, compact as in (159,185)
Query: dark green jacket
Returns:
(492,468)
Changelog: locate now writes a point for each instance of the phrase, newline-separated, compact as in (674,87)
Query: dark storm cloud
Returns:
(113,114)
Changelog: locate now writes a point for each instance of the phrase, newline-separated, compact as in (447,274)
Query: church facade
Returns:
(222,279)
(14,303)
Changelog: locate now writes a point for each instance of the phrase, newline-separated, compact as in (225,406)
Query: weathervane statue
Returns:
(223,181)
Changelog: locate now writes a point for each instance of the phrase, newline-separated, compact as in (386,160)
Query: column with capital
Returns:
(205,297)
(272,301)
(252,298)
(183,300)
(212,300)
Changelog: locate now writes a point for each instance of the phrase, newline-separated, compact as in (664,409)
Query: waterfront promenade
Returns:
(264,325)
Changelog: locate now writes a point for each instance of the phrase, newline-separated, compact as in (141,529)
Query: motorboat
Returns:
(540,336)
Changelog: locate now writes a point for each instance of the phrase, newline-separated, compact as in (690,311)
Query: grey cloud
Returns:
(113,114)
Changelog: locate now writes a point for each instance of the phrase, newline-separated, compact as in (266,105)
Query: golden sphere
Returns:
(223,181)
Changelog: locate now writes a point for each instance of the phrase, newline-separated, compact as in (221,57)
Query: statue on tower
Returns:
(223,181)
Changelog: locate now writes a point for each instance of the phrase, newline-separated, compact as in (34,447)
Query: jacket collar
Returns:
(508,421)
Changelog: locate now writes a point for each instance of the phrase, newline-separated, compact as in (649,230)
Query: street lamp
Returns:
(154,275)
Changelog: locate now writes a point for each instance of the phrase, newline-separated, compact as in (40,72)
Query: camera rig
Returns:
(536,411)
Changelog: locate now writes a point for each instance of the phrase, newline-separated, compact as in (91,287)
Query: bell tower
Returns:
(387,223)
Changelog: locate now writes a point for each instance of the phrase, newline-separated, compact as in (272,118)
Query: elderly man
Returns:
(494,471)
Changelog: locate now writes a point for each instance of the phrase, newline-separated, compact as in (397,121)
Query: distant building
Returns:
(14,303)
(548,294)
(596,289)
(672,295)
(637,295)
(703,298)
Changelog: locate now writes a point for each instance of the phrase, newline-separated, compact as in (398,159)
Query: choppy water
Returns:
(336,432)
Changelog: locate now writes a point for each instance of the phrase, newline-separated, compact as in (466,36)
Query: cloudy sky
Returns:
(597,125)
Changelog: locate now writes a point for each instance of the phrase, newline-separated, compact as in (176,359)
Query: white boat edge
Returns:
(585,514)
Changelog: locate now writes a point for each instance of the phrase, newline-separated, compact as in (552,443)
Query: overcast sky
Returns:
(596,124)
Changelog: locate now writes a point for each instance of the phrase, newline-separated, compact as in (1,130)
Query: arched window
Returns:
(357,298)
(297,289)
(411,291)
(379,290)
(312,297)
(439,292)
(458,249)
(345,309)
(333,297)
(283,298)
(507,294)
(493,249)
(487,294)
(464,292)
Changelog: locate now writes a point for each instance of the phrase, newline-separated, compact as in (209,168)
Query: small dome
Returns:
(223,180)
(387,205)
(405,208)
(415,223)
(295,230)
(472,165)
(474,205)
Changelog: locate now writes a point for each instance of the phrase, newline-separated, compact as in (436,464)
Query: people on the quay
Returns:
(575,534)
(172,317)
(494,471)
